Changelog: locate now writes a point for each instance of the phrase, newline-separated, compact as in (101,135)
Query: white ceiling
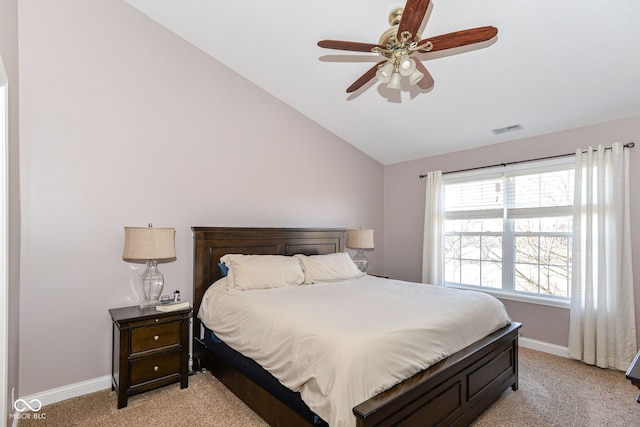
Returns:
(555,65)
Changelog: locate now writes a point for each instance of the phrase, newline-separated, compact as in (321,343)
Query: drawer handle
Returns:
(156,337)
(155,369)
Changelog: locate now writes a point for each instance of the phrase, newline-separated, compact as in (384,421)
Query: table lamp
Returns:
(150,244)
(360,239)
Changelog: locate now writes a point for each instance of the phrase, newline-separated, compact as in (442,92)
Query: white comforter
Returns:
(341,343)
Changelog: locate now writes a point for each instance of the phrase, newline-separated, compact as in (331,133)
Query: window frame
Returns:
(507,290)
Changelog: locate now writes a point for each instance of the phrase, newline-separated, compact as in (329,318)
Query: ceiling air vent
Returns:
(511,128)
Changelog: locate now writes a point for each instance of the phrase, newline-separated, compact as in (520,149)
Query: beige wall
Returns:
(123,124)
(404,210)
(9,53)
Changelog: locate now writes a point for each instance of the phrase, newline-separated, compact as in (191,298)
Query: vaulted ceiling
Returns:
(555,65)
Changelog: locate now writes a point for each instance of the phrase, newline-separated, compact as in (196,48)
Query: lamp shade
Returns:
(407,67)
(415,77)
(384,73)
(395,81)
(361,238)
(149,243)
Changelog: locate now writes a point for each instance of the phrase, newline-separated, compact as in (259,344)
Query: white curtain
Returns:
(433,243)
(602,328)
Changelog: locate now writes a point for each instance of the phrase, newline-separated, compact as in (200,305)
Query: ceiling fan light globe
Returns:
(394,82)
(382,76)
(384,73)
(415,77)
(407,66)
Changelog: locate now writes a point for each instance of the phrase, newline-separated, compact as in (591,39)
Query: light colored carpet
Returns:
(553,392)
(206,402)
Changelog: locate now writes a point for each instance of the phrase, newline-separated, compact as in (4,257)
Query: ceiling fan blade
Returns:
(371,73)
(351,46)
(427,81)
(460,38)
(412,16)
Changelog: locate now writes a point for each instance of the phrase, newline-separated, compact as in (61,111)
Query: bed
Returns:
(452,391)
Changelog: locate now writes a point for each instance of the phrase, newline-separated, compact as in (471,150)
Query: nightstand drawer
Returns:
(155,367)
(158,317)
(156,336)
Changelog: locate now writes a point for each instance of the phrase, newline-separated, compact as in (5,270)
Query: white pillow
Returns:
(328,268)
(262,271)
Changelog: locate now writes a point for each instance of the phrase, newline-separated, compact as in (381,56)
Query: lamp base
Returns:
(148,305)
(152,282)
(361,261)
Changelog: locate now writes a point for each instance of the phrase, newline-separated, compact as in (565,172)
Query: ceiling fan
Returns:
(402,40)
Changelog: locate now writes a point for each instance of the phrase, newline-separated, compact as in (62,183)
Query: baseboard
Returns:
(73,390)
(545,347)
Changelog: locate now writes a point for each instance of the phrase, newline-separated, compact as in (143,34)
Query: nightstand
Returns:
(150,350)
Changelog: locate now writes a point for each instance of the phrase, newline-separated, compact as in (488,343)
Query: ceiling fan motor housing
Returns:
(389,38)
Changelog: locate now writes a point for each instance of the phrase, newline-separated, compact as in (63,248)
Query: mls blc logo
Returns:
(21,406)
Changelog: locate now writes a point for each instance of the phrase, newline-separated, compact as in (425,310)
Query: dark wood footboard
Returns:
(452,392)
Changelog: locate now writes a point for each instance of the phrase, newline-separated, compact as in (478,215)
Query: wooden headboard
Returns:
(211,243)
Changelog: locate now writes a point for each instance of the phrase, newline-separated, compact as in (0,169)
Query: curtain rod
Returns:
(627,145)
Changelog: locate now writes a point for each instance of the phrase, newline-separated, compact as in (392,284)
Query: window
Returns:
(509,230)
